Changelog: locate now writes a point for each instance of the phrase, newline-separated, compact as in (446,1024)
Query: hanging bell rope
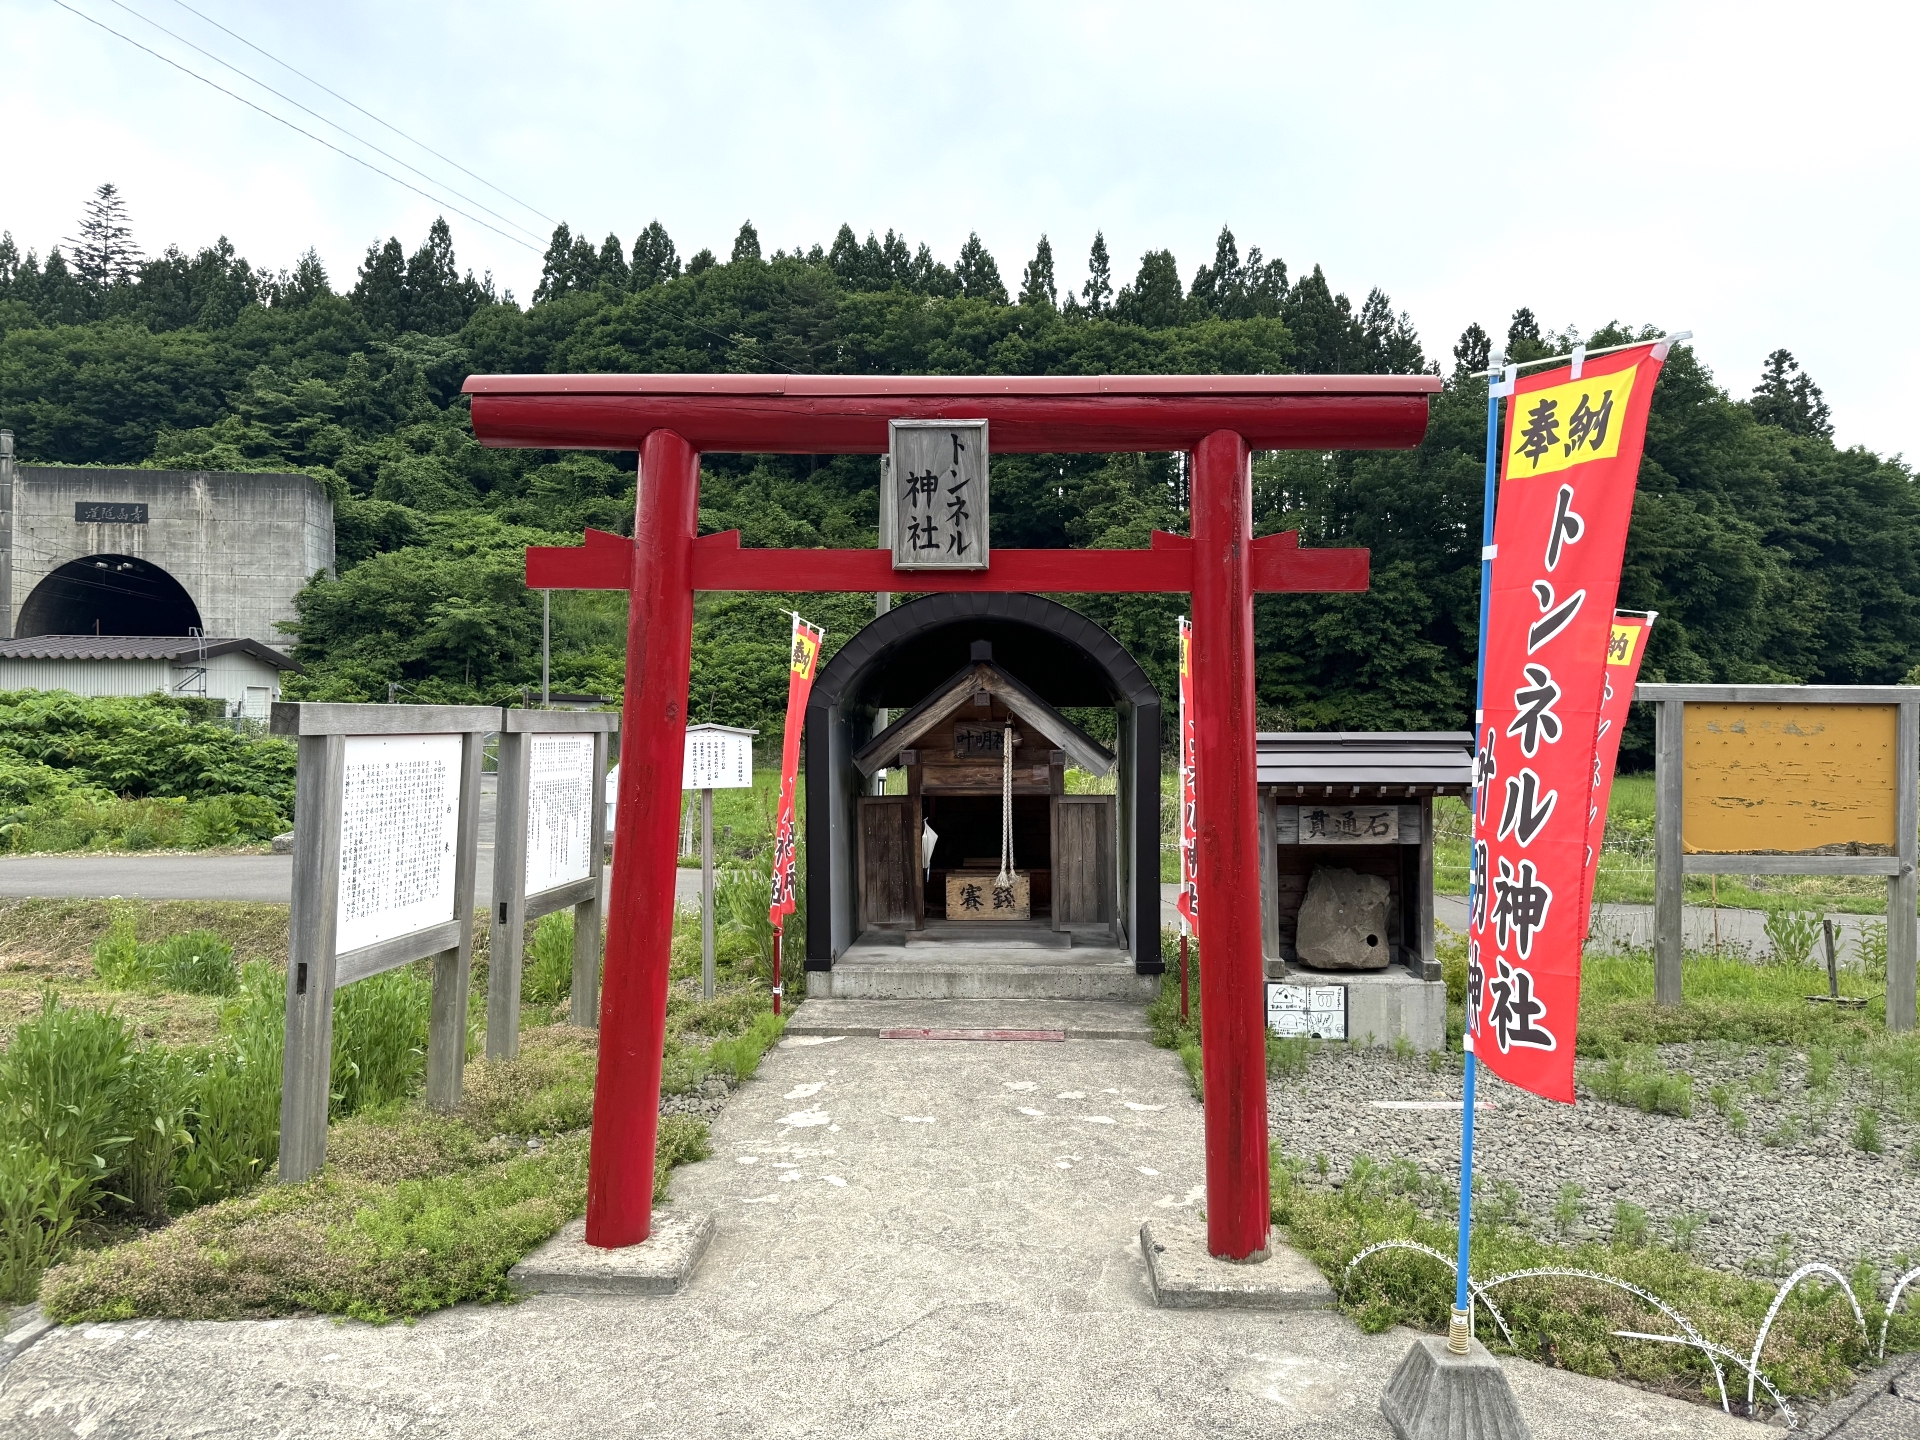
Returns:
(1004,881)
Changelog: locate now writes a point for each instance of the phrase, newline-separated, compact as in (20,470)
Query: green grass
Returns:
(1814,1348)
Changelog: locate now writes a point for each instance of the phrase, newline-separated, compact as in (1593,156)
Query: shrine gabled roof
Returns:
(1434,762)
(1082,749)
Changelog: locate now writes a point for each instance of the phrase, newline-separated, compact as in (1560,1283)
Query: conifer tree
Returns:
(978,274)
(612,264)
(1787,397)
(1098,291)
(1036,285)
(1475,348)
(556,266)
(104,254)
(746,245)
(654,259)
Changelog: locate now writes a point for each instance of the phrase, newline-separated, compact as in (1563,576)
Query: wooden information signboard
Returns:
(385,838)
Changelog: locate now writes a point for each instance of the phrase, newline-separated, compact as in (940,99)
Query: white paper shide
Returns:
(399,824)
(559,811)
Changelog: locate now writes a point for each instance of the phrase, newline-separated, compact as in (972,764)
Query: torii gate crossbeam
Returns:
(671,419)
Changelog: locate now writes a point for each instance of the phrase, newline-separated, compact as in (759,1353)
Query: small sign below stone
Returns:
(1318,1012)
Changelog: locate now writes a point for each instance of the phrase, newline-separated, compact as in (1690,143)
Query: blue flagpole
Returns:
(1459,1333)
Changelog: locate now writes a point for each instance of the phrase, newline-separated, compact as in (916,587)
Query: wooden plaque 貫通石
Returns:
(938,473)
(1349,824)
(559,811)
(399,829)
(1789,779)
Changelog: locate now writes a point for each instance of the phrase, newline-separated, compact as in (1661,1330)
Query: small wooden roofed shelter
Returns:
(1362,801)
(953,747)
(1094,859)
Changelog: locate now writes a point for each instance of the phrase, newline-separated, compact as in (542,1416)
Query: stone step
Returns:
(1077,1019)
(1001,977)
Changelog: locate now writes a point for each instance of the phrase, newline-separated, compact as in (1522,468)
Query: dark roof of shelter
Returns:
(137,647)
(1437,761)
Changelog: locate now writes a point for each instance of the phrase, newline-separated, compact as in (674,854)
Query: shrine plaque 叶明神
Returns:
(399,826)
(939,476)
(559,810)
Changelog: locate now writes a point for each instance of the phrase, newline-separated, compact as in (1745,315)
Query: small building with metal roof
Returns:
(242,673)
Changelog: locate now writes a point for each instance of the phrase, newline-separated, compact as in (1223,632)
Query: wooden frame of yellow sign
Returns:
(1788,780)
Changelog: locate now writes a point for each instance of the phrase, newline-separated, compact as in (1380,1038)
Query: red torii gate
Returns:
(1218,419)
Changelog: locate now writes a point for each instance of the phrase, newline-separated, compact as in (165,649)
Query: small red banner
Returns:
(803,660)
(1189,902)
(1624,649)
(1571,455)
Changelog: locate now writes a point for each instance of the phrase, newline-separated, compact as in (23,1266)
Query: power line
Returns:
(367,164)
(357,139)
(364,111)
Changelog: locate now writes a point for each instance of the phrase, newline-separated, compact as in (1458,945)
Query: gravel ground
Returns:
(1793,1173)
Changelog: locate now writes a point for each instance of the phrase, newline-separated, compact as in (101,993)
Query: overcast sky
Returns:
(1744,171)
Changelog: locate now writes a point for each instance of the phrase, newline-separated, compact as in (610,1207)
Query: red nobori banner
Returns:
(1189,901)
(803,659)
(1566,496)
(1625,646)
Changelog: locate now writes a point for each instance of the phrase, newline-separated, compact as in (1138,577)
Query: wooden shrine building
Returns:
(958,675)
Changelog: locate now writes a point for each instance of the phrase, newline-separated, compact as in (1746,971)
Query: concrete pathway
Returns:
(914,1238)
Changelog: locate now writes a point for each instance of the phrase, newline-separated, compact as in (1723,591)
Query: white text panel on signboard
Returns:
(559,810)
(717,757)
(399,827)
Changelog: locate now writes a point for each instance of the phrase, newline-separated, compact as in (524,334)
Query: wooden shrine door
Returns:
(1083,860)
(886,861)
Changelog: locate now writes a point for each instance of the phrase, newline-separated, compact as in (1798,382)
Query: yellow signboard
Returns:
(1789,779)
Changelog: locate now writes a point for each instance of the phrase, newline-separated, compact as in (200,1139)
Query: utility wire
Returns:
(291,126)
(363,110)
(324,120)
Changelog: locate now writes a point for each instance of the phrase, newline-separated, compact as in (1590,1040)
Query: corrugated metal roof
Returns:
(136,647)
(1439,760)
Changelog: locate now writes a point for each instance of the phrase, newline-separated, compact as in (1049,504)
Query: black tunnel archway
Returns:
(903,655)
(108,595)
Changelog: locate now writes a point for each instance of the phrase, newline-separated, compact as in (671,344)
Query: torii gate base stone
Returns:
(1218,420)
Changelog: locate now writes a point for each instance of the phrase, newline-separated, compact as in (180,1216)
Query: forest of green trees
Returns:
(1771,554)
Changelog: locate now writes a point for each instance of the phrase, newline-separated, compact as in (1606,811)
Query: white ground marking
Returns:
(1063,1165)
(1071,1095)
(1098,1119)
(748,1159)
(795,1041)
(918,1119)
(801,1119)
(1146,1170)
(1167,1202)
(1029,1110)
(833,1129)
(1432,1104)
(1021,1085)
(325,1358)
(801,1092)
(790,1175)
(759,1199)
(1110,1091)
(1143,1108)
(785,1165)
(833,1180)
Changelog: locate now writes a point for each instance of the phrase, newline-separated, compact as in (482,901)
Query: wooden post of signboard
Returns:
(1669,879)
(706,892)
(507,915)
(306,1072)
(453,967)
(1903,889)
(584,1006)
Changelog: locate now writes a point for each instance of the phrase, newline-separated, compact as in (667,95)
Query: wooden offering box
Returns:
(977,895)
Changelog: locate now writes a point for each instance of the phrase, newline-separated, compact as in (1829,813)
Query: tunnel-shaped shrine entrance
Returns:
(953,671)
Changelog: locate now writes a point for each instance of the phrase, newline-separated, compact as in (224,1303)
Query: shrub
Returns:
(39,1206)
(379,1038)
(63,1082)
(197,963)
(116,955)
(1791,935)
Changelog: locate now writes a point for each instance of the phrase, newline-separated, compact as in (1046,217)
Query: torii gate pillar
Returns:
(1217,419)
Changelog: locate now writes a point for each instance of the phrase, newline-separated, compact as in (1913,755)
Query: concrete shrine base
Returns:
(1183,1276)
(1382,1005)
(665,1261)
